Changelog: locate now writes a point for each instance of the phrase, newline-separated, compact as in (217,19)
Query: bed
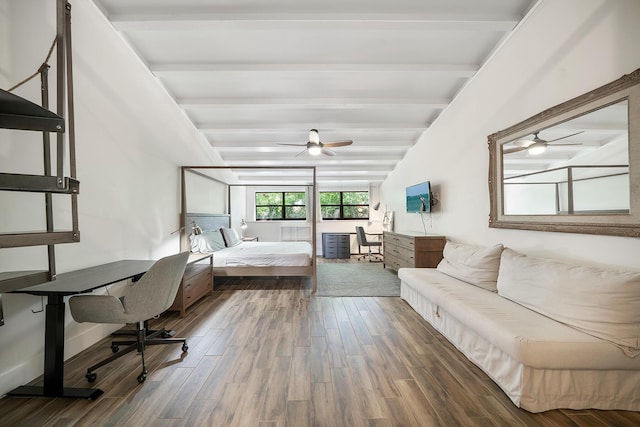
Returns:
(249,258)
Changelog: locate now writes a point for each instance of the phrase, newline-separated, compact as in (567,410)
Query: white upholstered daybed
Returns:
(551,335)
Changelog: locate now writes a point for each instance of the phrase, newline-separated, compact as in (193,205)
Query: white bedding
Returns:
(264,254)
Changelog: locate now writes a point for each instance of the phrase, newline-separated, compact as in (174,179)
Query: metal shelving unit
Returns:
(21,114)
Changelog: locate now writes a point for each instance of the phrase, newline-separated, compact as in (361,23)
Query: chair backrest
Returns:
(156,290)
(361,235)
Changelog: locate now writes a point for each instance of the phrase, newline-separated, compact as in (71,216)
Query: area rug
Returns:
(364,279)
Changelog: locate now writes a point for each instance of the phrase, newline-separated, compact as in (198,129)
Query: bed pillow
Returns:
(231,237)
(208,241)
(476,265)
(604,304)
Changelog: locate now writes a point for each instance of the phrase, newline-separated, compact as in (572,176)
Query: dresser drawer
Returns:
(197,285)
(197,282)
(412,250)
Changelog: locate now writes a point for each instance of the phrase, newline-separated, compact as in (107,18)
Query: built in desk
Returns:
(66,284)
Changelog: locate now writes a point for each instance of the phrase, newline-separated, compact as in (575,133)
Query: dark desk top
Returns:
(88,279)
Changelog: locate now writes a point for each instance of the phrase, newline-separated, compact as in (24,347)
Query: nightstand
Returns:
(197,282)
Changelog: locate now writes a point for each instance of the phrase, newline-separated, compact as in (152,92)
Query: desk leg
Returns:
(54,358)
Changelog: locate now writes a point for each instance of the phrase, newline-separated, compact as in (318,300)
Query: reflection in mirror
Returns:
(577,167)
(574,167)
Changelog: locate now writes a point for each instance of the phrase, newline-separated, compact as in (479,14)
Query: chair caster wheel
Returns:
(142,377)
(185,347)
(115,348)
(91,376)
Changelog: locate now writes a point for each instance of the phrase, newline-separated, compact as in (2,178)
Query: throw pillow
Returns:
(605,304)
(231,237)
(476,265)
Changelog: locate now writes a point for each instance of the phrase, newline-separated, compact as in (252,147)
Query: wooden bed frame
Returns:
(209,222)
(215,221)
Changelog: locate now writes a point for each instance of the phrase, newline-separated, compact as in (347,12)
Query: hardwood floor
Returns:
(264,352)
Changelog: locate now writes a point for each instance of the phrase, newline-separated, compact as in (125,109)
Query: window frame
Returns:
(283,206)
(342,205)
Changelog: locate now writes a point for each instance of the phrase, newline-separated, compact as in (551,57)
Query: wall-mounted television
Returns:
(419,197)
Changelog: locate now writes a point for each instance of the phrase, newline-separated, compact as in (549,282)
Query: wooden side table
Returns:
(197,282)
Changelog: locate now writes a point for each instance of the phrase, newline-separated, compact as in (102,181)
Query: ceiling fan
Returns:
(537,145)
(315,147)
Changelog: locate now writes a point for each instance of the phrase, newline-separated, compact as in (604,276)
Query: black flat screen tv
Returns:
(419,197)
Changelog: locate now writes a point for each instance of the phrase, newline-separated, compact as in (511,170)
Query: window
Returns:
(281,205)
(344,204)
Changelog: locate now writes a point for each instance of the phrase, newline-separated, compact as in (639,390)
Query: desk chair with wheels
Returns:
(362,241)
(149,297)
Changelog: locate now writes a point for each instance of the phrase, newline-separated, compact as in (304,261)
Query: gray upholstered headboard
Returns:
(207,222)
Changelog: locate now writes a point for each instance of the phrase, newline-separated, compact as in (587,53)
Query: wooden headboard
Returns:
(207,222)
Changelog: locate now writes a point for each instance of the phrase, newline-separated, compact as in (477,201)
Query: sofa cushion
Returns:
(526,336)
(605,304)
(476,265)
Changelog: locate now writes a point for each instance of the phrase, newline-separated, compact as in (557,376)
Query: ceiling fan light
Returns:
(313,136)
(315,150)
(537,148)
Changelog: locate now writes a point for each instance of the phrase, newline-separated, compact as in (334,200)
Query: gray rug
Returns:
(364,279)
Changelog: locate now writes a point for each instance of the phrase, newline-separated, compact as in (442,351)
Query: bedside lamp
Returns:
(243,227)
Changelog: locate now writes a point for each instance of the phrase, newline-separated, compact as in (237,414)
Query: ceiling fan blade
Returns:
(568,136)
(300,153)
(295,145)
(523,143)
(513,150)
(337,143)
(328,152)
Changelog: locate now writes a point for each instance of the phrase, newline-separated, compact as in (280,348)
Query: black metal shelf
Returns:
(19,113)
(38,238)
(39,183)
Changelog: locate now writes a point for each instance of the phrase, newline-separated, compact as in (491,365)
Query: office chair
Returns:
(149,297)
(362,241)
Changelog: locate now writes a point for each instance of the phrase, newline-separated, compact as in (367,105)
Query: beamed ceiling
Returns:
(254,74)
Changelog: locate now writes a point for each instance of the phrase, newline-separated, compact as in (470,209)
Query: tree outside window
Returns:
(281,205)
(344,204)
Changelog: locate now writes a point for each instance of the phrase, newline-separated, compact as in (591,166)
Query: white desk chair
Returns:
(149,297)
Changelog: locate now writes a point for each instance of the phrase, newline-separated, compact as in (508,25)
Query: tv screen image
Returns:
(419,197)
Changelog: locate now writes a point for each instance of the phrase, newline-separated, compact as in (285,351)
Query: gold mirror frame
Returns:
(626,87)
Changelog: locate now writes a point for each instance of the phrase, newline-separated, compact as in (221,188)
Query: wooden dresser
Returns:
(411,249)
(197,282)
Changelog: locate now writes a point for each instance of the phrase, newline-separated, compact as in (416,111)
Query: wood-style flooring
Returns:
(265,352)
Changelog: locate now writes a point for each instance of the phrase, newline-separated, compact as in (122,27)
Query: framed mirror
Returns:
(572,168)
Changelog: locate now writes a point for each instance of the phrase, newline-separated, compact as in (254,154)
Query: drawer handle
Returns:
(187,285)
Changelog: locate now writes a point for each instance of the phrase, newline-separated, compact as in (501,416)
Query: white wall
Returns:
(131,140)
(563,49)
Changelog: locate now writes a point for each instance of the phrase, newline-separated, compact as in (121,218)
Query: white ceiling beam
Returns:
(304,127)
(363,169)
(454,70)
(324,21)
(309,103)
(313,161)
(276,147)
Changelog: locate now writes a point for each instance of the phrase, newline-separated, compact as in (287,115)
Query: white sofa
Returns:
(551,335)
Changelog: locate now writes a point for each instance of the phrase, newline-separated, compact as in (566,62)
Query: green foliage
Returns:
(352,204)
(281,205)
(356,212)
(329,198)
(355,198)
(268,199)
